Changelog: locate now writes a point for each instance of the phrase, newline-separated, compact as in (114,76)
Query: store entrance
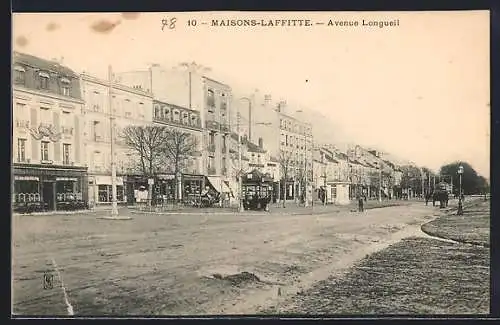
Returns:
(48,195)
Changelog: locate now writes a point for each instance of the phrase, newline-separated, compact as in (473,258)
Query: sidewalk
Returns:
(275,209)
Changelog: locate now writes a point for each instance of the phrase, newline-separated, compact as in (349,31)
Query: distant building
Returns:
(288,139)
(48,162)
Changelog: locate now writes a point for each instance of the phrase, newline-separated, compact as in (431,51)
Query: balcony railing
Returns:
(224,127)
(22,123)
(213,125)
(68,163)
(211,147)
(67,130)
(224,171)
(211,171)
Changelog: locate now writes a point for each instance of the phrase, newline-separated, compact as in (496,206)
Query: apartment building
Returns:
(191,178)
(110,106)
(48,162)
(189,87)
(288,139)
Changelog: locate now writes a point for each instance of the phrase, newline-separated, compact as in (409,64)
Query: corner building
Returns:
(48,166)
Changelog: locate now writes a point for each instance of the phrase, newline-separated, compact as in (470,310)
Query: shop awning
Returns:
(218,184)
(106,180)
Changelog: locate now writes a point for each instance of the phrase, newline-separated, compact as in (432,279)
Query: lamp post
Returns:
(460,210)
(240,172)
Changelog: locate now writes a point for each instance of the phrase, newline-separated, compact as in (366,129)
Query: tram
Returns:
(257,191)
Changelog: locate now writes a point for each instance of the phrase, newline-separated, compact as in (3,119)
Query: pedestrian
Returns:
(360,203)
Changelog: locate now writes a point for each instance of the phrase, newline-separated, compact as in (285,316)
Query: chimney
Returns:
(261,143)
(267,101)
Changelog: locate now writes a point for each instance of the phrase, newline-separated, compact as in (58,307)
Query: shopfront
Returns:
(49,188)
(192,187)
(101,189)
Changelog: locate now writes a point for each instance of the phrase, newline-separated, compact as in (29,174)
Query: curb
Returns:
(53,213)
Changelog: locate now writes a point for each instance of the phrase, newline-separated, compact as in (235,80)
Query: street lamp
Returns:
(240,172)
(460,203)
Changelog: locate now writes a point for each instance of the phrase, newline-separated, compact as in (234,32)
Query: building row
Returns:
(63,123)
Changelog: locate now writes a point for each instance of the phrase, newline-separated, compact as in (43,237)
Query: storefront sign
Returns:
(167,177)
(68,179)
(26,178)
(106,180)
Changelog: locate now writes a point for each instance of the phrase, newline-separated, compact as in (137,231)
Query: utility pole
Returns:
(114,204)
(380,183)
(306,203)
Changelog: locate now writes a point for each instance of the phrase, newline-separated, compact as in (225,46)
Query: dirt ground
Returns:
(418,275)
(191,264)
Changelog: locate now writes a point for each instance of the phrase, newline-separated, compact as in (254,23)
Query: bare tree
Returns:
(147,143)
(179,147)
(285,161)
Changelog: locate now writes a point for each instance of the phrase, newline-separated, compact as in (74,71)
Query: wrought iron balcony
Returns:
(211,171)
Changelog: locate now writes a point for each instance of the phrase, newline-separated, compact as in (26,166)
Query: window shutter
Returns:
(77,139)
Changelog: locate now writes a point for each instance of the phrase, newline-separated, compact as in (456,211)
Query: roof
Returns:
(342,156)
(36,62)
(251,147)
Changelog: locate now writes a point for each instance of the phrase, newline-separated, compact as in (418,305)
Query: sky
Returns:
(419,90)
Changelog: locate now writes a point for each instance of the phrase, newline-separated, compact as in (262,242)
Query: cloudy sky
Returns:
(419,90)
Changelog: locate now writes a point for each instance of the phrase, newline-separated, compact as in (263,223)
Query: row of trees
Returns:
(472,182)
(160,149)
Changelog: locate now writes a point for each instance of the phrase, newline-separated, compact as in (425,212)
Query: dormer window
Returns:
(19,74)
(65,86)
(167,113)
(176,116)
(193,120)
(44,80)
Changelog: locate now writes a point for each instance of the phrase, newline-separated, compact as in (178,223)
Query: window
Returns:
(66,153)
(127,108)
(223,165)
(194,120)
(98,160)
(19,75)
(44,80)
(223,143)
(223,102)
(95,101)
(210,98)
(106,193)
(97,131)
(176,116)
(45,116)
(185,119)
(211,165)
(21,150)
(157,111)
(44,150)
(65,86)
(141,110)
(168,116)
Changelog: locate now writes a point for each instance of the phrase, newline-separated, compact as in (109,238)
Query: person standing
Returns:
(360,202)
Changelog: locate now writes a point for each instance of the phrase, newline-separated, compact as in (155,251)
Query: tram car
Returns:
(257,191)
